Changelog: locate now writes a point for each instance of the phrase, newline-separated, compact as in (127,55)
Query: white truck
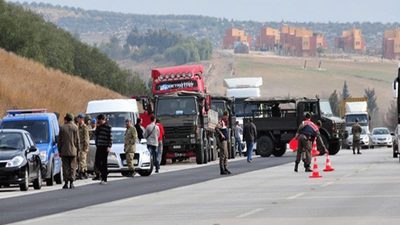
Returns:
(357,108)
(241,89)
(115,110)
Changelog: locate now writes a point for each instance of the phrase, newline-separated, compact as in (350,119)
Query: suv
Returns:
(44,128)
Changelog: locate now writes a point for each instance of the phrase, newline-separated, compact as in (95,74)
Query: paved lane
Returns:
(43,203)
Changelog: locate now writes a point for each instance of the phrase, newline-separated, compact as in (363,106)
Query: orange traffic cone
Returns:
(315,173)
(314,151)
(328,167)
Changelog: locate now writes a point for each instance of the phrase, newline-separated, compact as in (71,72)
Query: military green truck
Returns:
(278,119)
(220,104)
(189,126)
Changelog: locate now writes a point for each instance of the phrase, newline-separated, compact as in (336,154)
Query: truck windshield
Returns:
(325,108)
(115,119)
(218,107)
(240,111)
(362,119)
(39,129)
(176,106)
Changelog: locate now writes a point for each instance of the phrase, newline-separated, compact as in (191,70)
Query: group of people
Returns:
(73,142)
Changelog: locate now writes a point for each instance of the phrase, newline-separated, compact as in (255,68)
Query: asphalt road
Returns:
(23,206)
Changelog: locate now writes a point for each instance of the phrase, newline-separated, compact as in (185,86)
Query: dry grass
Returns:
(26,84)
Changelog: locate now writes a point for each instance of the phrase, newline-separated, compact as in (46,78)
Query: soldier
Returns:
(68,143)
(222,132)
(356,130)
(87,121)
(84,146)
(130,146)
(93,123)
(306,134)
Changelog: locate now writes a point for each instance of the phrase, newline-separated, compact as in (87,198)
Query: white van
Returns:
(115,110)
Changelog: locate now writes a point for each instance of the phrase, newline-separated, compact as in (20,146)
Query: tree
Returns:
(345,92)
(372,106)
(390,119)
(334,102)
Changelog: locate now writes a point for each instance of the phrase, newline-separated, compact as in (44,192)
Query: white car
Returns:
(116,161)
(364,140)
(380,136)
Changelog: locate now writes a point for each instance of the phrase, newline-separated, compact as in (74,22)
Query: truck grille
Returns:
(177,132)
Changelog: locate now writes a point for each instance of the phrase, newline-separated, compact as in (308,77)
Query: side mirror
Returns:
(32,149)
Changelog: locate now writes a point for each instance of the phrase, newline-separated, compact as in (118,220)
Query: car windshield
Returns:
(118,136)
(351,119)
(219,107)
(176,106)
(39,129)
(240,111)
(11,141)
(380,131)
(115,119)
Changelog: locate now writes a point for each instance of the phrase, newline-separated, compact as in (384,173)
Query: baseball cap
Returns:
(81,115)
(93,120)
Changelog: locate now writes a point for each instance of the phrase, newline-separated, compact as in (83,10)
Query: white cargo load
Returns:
(243,82)
(243,92)
(356,107)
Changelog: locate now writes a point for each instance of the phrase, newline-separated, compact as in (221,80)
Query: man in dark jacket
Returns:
(249,136)
(139,129)
(68,143)
(103,146)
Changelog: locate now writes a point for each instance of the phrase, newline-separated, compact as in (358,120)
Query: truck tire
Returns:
(265,146)
(326,143)
(200,154)
(205,151)
(279,150)
(232,148)
(214,150)
(334,148)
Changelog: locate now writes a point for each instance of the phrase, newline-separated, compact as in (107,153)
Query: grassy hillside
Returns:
(285,77)
(27,84)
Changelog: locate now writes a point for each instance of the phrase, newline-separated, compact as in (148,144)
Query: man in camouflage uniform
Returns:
(84,146)
(130,146)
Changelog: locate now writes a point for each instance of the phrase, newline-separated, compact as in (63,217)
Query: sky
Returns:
(257,10)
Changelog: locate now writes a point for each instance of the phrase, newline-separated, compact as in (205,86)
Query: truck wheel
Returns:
(326,143)
(279,150)
(334,148)
(265,146)
(205,151)
(200,154)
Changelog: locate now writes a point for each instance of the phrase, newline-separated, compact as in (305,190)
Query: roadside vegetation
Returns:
(27,34)
(27,84)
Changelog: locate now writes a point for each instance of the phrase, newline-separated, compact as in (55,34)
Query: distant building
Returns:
(351,41)
(268,39)
(235,35)
(300,41)
(391,44)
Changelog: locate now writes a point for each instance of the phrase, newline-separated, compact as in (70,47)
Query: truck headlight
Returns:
(192,141)
(43,156)
(16,161)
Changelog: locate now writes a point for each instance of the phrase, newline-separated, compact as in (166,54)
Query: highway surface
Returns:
(363,189)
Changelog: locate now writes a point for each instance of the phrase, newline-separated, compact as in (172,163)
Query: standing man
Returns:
(222,131)
(238,141)
(103,146)
(160,141)
(152,135)
(139,128)
(84,146)
(356,130)
(306,134)
(68,143)
(250,136)
(130,146)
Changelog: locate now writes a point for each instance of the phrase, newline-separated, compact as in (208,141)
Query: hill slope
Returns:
(27,84)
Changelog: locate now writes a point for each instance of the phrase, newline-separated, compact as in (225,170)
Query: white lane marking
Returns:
(250,213)
(326,184)
(296,196)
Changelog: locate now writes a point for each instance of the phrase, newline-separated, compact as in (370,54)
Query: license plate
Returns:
(176,146)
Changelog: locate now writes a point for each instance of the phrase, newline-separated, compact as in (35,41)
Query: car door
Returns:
(32,157)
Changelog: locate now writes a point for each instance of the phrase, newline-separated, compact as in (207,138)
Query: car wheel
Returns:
(124,173)
(37,183)
(50,180)
(25,186)
(59,177)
